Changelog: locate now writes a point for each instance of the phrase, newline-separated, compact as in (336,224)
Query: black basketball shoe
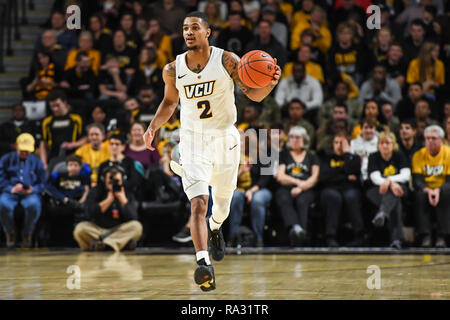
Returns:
(204,277)
(216,243)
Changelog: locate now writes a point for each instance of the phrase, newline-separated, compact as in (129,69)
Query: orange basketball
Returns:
(256,69)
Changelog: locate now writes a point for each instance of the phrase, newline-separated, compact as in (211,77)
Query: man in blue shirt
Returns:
(22,179)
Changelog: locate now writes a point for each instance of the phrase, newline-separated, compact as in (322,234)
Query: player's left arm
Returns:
(231,61)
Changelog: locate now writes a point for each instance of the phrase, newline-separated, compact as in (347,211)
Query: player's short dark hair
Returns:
(235,13)
(56,94)
(411,122)
(201,15)
(416,84)
(369,121)
(74,158)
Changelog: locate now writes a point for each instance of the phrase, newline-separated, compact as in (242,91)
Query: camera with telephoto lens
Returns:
(117,187)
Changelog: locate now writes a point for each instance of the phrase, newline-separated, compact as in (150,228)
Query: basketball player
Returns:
(202,79)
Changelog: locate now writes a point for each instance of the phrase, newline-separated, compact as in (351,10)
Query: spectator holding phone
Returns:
(22,179)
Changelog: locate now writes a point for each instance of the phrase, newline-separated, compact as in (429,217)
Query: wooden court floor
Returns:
(137,275)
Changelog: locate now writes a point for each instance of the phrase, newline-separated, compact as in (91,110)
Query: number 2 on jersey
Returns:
(206,113)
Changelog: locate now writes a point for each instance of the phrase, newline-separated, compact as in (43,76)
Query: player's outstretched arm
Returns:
(231,61)
(167,105)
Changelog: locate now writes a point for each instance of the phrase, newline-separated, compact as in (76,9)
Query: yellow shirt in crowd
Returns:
(434,169)
(94,158)
(94,56)
(313,69)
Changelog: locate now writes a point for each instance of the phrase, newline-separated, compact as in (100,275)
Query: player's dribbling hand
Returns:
(148,138)
(277,75)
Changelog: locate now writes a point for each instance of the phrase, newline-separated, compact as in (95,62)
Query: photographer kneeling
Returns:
(112,215)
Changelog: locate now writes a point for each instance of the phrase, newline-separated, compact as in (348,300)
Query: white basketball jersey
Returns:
(206,98)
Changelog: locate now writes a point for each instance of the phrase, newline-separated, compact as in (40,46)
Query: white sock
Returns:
(213,225)
(203,255)
(297,228)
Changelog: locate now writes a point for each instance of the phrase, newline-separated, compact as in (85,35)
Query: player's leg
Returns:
(195,174)
(223,183)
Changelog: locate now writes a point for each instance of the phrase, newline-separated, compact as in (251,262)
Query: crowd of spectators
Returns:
(361,120)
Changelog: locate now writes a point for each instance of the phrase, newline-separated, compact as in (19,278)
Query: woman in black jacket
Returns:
(339,173)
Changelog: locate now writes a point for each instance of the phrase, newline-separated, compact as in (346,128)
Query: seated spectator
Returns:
(405,107)
(427,69)
(112,80)
(395,64)
(380,44)
(56,51)
(387,110)
(149,72)
(9,130)
(95,151)
(298,173)
(99,115)
(66,38)
(341,96)
(408,142)
(80,81)
(45,78)
(304,54)
(171,16)
(68,191)
(302,14)
(371,110)
(162,41)
(422,113)
(325,137)
(112,216)
(339,111)
(132,172)
(301,86)
(365,144)
(307,38)
(126,55)
(389,174)
(346,55)
(101,35)
(265,41)
(147,105)
(296,110)
(339,175)
(279,29)
(128,25)
(380,87)
(22,179)
(137,150)
(86,45)
(62,131)
(252,188)
(69,188)
(431,179)
(414,40)
(447,130)
(250,120)
(235,37)
(318,25)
